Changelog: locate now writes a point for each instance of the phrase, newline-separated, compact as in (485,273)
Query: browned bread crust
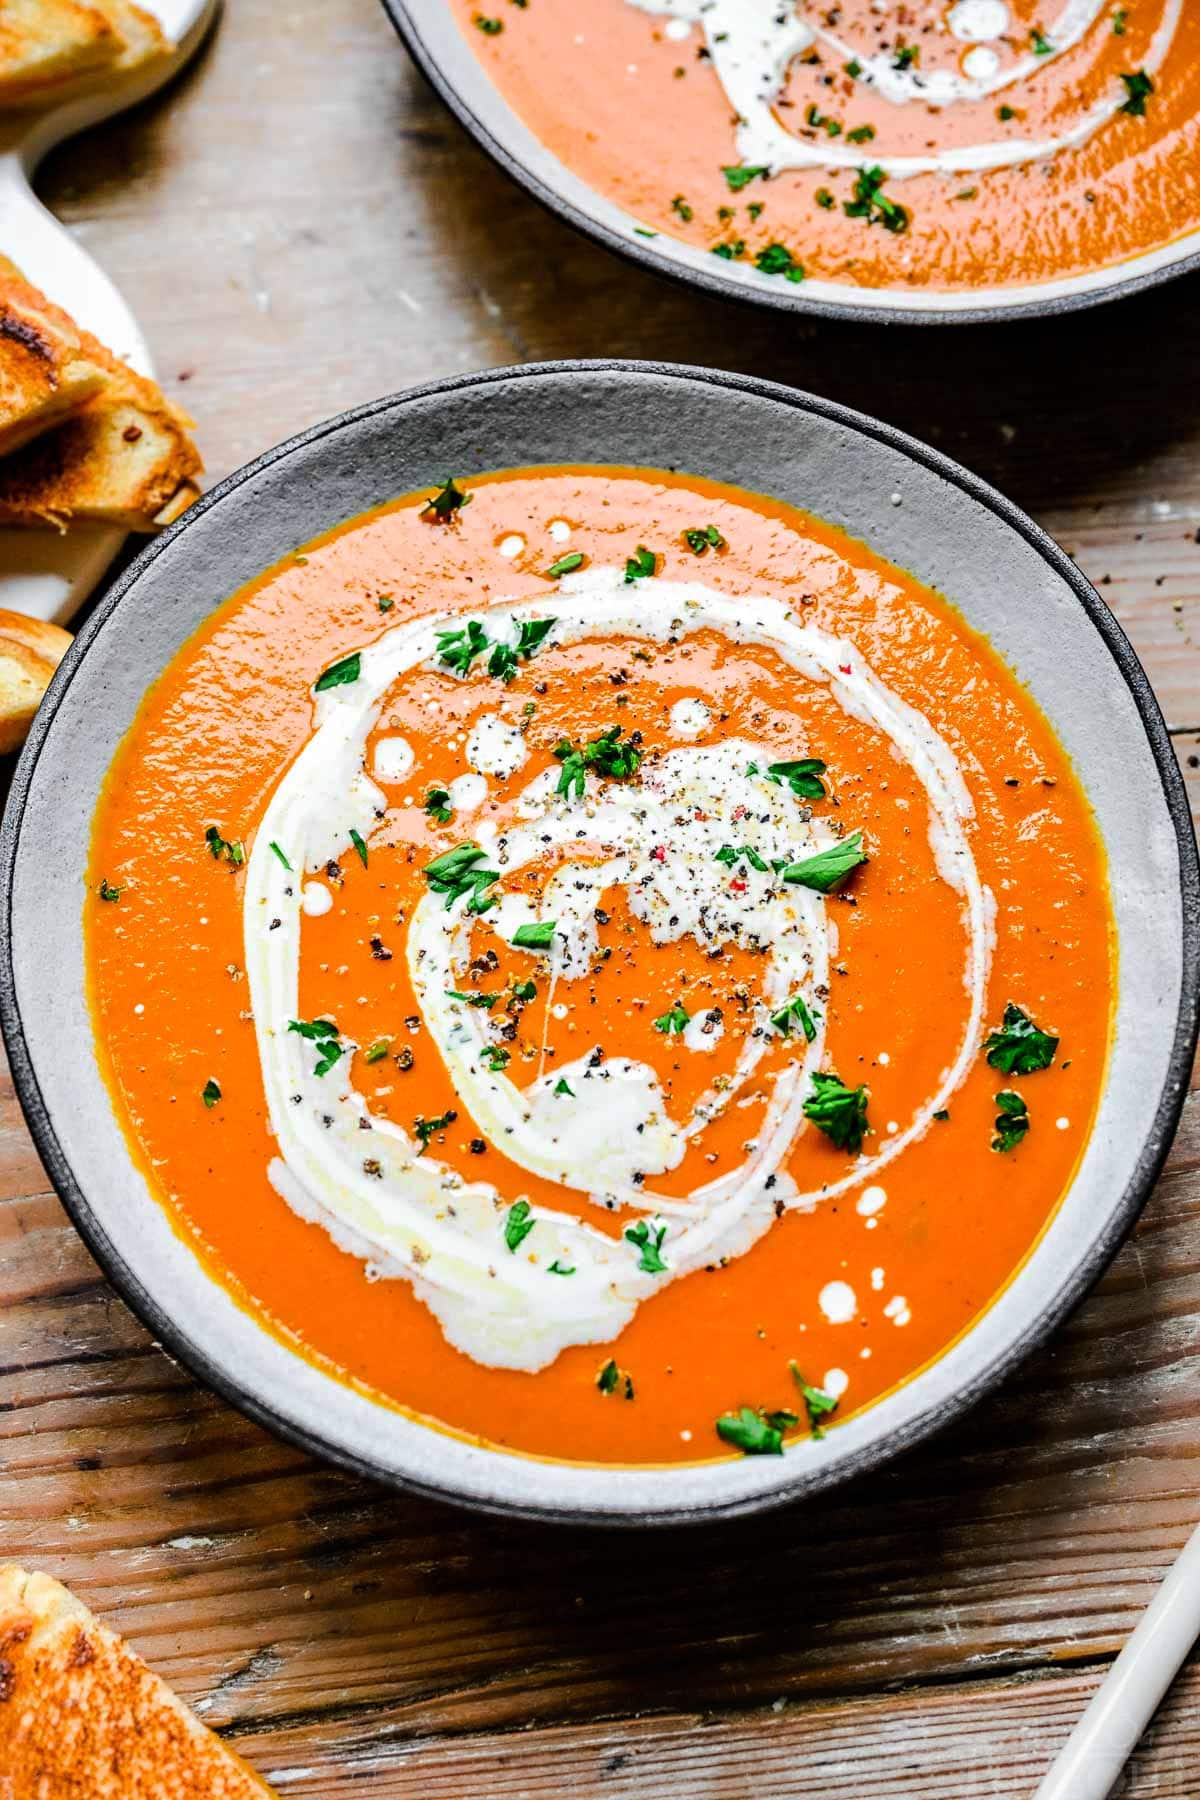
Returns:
(49,49)
(30,651)
(44,374)
(83,1718)
(123,459)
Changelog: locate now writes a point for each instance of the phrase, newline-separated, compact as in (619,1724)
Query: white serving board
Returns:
(49,574)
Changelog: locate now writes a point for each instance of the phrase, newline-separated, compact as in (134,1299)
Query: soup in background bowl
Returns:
(592,990)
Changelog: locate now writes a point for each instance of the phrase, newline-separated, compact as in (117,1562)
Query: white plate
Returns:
(49,574)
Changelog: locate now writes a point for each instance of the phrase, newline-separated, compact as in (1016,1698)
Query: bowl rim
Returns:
(1050,299)
(176,1337)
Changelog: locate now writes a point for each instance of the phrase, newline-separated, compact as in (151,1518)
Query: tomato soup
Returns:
(601,961)
(977,144)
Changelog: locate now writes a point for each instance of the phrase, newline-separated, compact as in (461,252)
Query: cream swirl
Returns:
(407,1214)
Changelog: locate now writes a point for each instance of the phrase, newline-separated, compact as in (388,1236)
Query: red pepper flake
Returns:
(658,854)
(739,812)
(845,668)
(738,886)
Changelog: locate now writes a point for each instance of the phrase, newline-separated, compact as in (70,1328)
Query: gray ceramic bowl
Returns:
(951,530)
(433,38)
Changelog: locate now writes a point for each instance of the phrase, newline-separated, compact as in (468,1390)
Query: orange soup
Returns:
(980,143)
(601,961)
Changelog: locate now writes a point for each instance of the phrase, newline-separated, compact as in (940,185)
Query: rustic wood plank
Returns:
(296,243)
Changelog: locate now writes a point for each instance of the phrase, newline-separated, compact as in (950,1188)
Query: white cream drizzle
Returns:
(408,1214)
(753,43)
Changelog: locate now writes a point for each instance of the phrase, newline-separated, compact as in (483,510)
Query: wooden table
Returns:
(301,226)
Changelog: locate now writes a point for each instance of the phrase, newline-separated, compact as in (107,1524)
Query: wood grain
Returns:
(301,226)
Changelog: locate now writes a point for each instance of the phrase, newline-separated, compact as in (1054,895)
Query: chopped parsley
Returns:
(824,198)
(605,754)
(795,1013)
(679,205)
(906,56)
(556,1268)
(777,259)
(872,204)
(535,937)
(457,874)
(817,1403)
(803,777)
(729,854)
(566,565)
(450,498)
(385,603)
(1040,42)
(1119,20)
(563,1086)
(360,847)
(675,1021)
(437,805)
(378,1050)
(1005,113)
(610,1378)
(524,990)
(339,674)
(427,1128)
(458,647)
(853,69)
(702,538)
(487,1000)
(518,1224)
(1012,1120)
(840,1112)
(489,28)
(742,174)
(755,1433)
(219,847)
(108,892)
(283,859)
(828,868)
(1019,1047)
(648,1240)
(494,1057)
(210,1093)
(1138,89)
(862,134)
(323,1033)
(531,635)
(642,563)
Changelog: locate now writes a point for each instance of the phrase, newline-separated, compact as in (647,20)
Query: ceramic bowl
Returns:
(950,530)
(436,43)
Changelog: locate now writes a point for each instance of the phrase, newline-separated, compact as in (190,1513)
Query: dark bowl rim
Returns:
(787,297)
(177,1341)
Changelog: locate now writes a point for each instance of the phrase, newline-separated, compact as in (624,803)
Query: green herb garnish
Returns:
(494,1057)
(218,847)
(642,563)
(458,646)
(1138,89)
(605,755)
(486,1000)
(702,538)
(777,259)
(556,1268)
(518,1224)
(437,805)
(339,674)
(648,1240)
(378,1050)
(795,1013)
(360,846)
(1012,1120)
(385,603)
(489,28)
(755,1433)
(674,1021)
(1040,42)
(324,1034)
(1019,1047)
(828,868)
(457,874)
(742,174)
(283,859)
(906,56)
(210,1093)
(840,1112)
(566,565)
(872,204)
(862,134)
(535,937)
(802,776)
(611,1377)
(531,635)
(108,892)
(427,1128)
(817,1403)
(563,1086)
(450,498)
(729,854)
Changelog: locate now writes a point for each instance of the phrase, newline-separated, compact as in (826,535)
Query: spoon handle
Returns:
(1097,1750)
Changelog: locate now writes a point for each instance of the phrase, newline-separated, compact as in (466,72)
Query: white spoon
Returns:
(1097,1750)
(49,573)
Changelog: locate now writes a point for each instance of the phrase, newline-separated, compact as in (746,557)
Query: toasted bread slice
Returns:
(125,459)
(140,31)
(83,1718)
(44,374)
(30,651)
(45,42)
